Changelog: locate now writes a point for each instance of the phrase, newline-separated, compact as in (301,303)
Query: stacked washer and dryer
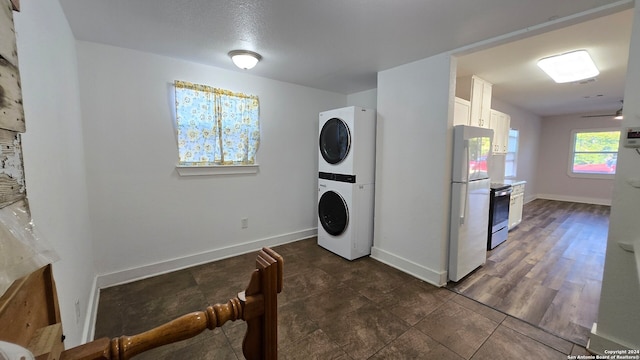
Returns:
(346,174)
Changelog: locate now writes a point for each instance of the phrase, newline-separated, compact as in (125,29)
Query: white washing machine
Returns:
(345,218)
(347,143)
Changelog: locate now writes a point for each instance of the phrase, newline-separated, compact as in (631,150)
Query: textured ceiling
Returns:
(334,45)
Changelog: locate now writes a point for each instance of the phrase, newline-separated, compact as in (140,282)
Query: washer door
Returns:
(333,213)
(335,140)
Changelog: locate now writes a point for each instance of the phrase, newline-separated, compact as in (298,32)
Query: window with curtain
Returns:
(594,153)
(511,164)
(216,126)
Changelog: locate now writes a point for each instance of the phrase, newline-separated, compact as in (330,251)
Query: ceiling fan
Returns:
(617,115)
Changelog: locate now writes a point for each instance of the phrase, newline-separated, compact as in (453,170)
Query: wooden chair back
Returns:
(257,305)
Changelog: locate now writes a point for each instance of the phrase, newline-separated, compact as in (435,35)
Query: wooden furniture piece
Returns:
(12,120)
(29,314)
(30,306)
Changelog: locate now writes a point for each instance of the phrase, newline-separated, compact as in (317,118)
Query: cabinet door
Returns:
(519,205)
(461,112)
(493,124)
(516,205)
(480,102)
(500,123)
(515,210)
(486,103)
(505,124)
(512,212)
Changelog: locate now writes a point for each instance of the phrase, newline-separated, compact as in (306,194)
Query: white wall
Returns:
(53,153)
(366,99)
(553,180)
(618,322)
(413,167)
(145,217)
(529,126)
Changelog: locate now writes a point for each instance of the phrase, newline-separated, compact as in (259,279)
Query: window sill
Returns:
(185,170)
(591,176)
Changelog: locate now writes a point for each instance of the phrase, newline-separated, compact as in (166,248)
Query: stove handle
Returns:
(503,192)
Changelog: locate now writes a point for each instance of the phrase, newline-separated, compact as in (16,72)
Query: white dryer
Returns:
(345,218)
(347,143)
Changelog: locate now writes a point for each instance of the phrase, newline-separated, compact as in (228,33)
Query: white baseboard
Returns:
(437,278)
(603,344)
(92,311)
(578,199)
(121,277)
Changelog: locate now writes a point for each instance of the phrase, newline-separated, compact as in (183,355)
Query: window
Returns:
(216,127)
(510,164)
(594,153)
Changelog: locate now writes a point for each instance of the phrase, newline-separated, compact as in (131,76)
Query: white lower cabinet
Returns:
(516,205)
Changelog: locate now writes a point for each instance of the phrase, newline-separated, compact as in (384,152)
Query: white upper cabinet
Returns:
(478,92)
(461,112)
(473,107)
(500,123)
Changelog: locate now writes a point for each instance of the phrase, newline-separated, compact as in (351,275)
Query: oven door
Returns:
(500,209)
(498,217)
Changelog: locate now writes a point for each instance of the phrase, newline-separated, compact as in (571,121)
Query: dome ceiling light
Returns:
(244,59)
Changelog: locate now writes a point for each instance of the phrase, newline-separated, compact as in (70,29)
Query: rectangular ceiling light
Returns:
(569,67)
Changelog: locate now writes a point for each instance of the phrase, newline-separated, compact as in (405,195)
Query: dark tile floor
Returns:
(330,308)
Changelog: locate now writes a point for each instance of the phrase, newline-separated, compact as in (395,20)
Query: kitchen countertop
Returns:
(514,182)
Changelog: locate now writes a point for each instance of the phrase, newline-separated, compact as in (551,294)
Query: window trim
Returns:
(571,156)
(515,155)
(208,170)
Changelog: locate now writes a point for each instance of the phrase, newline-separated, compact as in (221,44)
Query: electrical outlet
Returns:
(244,222)
(77,311)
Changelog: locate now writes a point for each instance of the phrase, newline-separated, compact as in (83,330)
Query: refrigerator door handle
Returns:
(463,203)
(465,161)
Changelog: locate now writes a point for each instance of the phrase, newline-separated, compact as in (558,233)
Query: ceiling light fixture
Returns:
(568,67)
(244,59)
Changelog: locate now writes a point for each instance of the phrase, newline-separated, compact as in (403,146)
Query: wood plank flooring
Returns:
(549,272)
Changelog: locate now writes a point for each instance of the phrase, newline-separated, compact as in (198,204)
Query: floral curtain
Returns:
(215,126)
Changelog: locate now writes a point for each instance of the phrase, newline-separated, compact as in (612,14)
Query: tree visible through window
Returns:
(595,152)
(215,126)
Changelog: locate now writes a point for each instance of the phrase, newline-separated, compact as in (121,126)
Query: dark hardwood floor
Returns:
(549,272)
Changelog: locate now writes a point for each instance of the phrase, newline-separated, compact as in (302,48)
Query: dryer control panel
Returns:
(631,138)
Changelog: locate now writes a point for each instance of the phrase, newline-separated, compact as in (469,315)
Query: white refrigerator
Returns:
(470,194)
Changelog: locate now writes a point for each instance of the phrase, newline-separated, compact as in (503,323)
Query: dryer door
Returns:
(335,140)
(333,213)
